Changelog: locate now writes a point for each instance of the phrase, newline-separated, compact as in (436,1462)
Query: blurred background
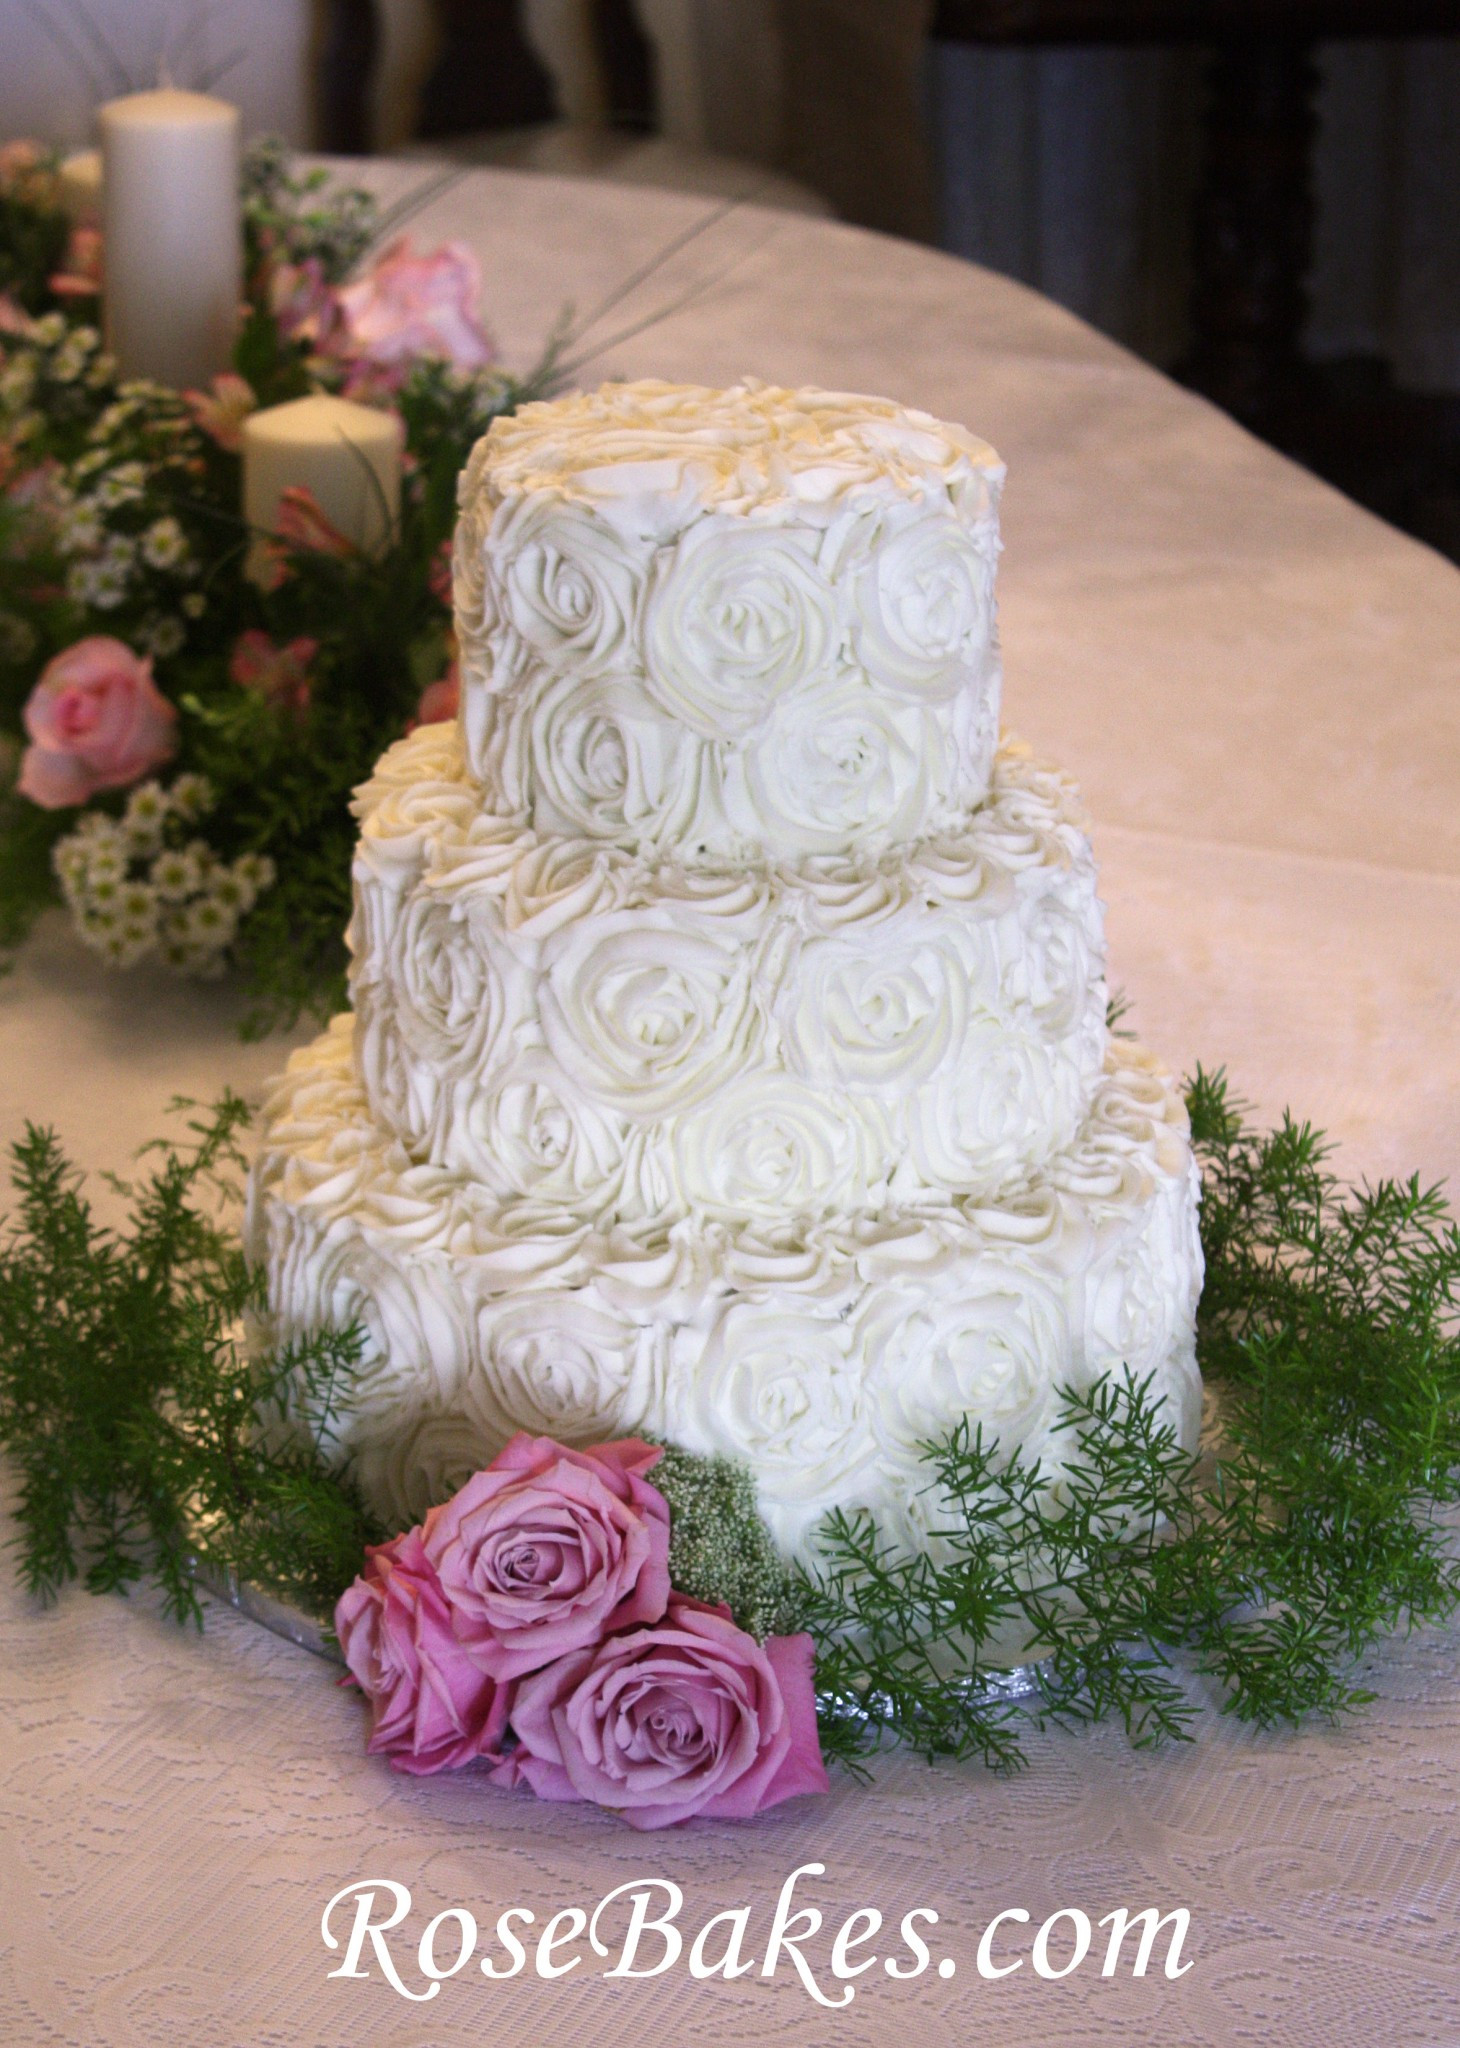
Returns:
(1261,196)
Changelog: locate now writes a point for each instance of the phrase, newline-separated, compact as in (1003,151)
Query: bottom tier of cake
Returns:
(821,1356)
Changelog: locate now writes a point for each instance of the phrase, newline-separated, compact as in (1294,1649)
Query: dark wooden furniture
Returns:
(486,76)
(1252,236)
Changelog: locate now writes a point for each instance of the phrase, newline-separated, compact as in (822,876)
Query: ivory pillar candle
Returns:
(173,234)
(347,455)
(78,185)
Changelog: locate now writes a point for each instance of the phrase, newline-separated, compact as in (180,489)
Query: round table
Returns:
(1258,687)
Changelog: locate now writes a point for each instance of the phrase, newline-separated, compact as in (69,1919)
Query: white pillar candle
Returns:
(78,185)
(348,456)
(173,235)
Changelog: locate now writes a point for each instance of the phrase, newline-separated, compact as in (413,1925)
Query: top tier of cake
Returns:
(740,622)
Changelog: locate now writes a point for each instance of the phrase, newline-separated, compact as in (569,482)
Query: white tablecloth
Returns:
(1259,687)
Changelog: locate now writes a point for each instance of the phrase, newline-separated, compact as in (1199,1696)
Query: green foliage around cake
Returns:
(1260,1574)
(720,1549)
(1327,1328)
(129,1406)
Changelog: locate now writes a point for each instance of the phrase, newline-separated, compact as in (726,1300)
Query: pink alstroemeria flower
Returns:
(409,305)
(280,675)
(80,275)
(222,409)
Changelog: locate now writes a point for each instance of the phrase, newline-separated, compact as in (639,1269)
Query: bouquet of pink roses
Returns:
(530,1624)
(180,732)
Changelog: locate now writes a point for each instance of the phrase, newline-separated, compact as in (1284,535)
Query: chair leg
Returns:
(1253,230)
(487,75)
(349,43)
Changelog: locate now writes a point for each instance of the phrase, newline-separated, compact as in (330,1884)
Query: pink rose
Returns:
(280,675)
(96,721)
(549,1548)
(408,305)
(439,700)
(692,1716)
(432,1708)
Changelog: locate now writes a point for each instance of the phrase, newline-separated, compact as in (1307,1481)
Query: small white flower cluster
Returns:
(48,373)
(122,546)
(136,885)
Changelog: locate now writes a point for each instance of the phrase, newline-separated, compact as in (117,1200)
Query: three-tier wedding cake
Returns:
(728,1059)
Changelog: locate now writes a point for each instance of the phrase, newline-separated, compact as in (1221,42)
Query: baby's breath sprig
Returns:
(145,884)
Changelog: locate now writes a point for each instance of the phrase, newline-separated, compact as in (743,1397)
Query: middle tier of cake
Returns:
(578,1028)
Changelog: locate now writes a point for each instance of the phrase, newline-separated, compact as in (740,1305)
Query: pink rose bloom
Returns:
(432,1709)
(549,1548)
(278,674)
(408,305)
(692,1716)
(439,700)
(222,409)
(96,721)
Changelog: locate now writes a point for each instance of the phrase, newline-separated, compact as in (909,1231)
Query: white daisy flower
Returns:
(192,796)
(143,819)
(121,486)
(175,875)
(72,357)
(81,529)
(100,584)
(116,415)
(165,636)
(164,544)
(17,382)
(207,922)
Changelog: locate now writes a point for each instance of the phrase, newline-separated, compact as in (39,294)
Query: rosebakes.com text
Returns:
(642,1930)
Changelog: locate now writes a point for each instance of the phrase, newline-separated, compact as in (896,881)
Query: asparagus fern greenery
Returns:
(131,1410)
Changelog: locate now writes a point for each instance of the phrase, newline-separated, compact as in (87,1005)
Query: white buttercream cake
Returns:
(728,1058)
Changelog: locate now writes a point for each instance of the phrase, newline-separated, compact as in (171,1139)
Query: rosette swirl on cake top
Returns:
(734,621)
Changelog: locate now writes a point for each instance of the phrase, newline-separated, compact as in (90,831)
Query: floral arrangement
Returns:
(183,737)
(612,1623)
(531,1624)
